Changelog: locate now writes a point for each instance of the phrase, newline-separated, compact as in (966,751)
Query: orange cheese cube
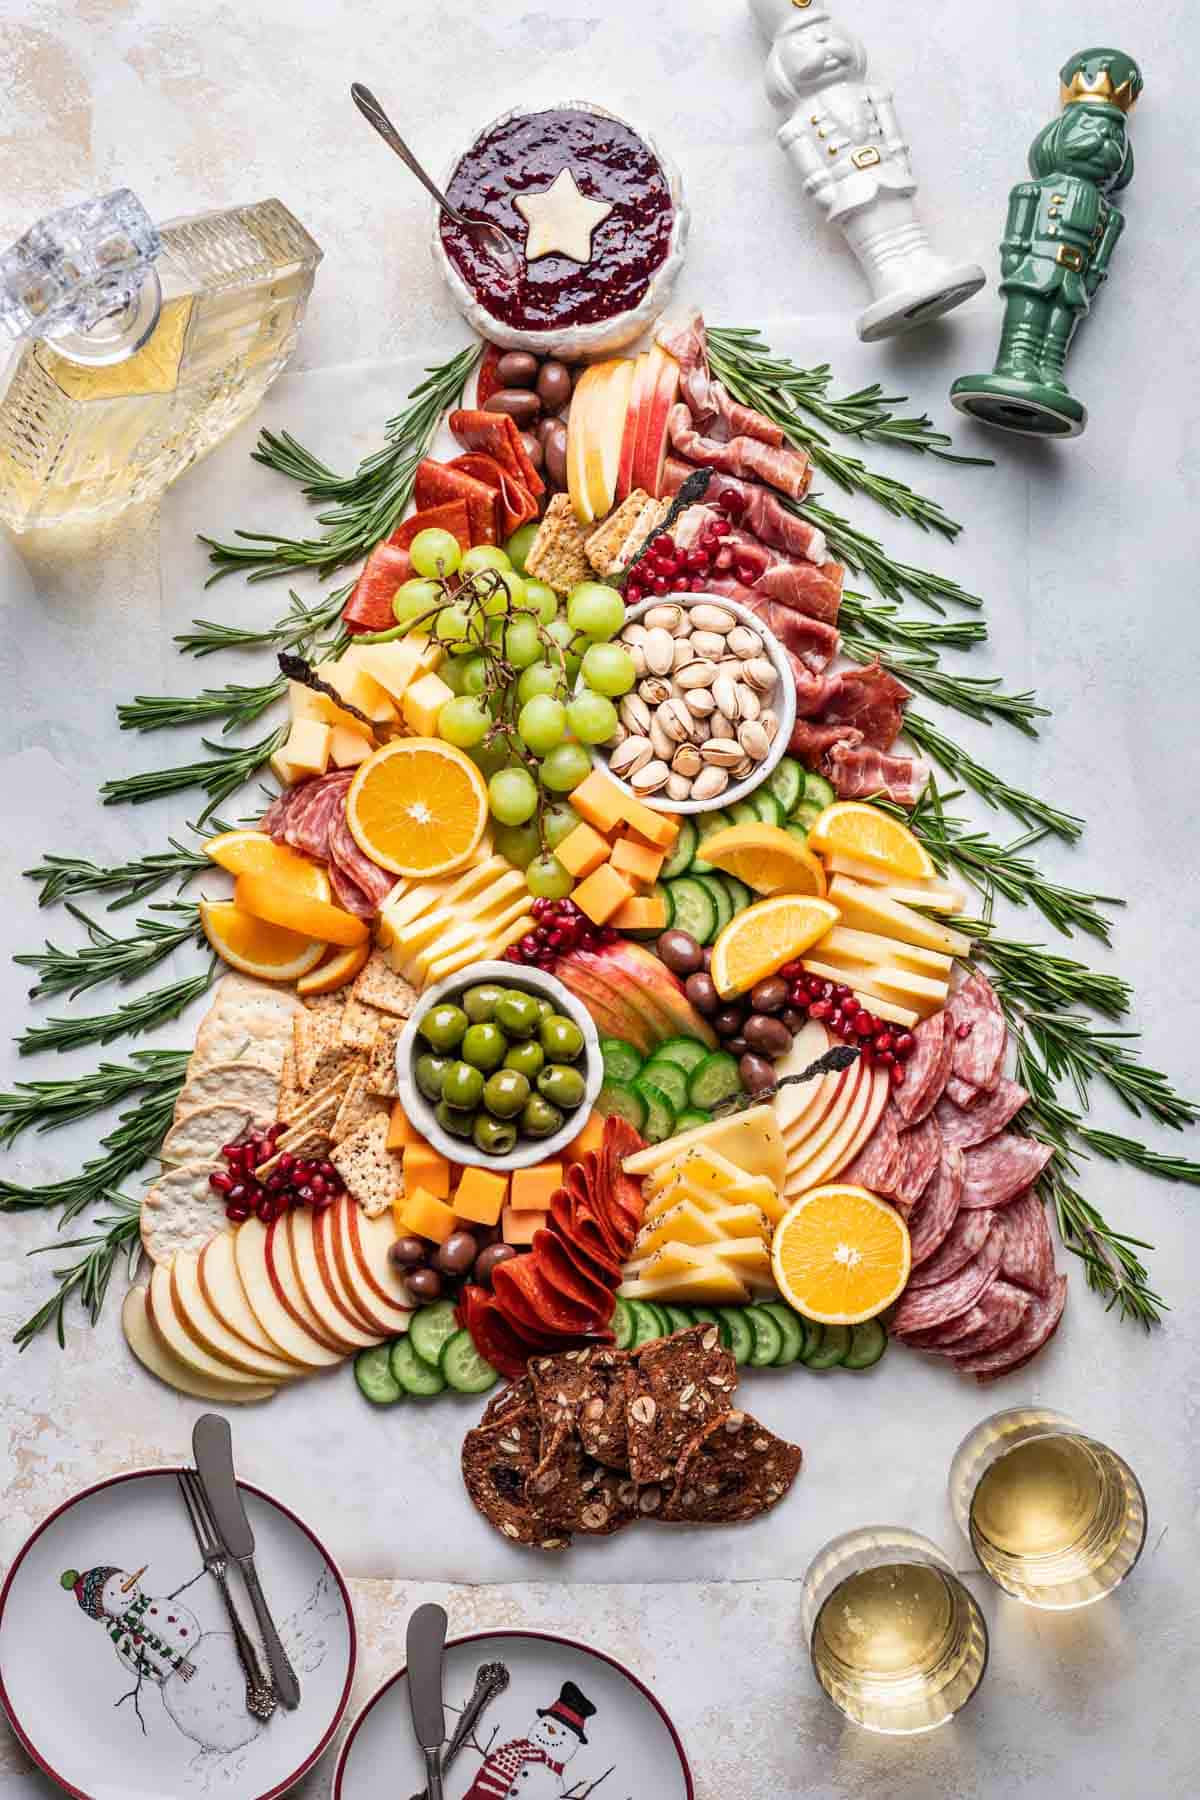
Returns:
(423,1215)
(645,912)
(532,1188)
(348,748)
(602,893)
(582,850)
(400,1132)
(658,828)
(521,1227)
(479,1197)
(424,1167)
(640,861)
(590,1138)
(600,801)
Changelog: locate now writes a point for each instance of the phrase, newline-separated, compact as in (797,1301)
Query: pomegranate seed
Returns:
(237,1191)
(529,944)
(904,1045)
(327,1170)
(658,586)
(237,1215)
(837,1020)
(798,994)
(317,1185)
(665,543)
(230,1151)
(696,561)
(896,1073)
(721,528)
(792,971)
(885,1056)
(820,1009)
(964,1030)
(680,585)
(287,1162)
(865,1025)
(723,560)
(884,1041)
(221,1184)
(276,1182)
(305,1192)
(541,908)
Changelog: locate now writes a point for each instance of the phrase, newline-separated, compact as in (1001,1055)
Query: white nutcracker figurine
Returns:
(844,137)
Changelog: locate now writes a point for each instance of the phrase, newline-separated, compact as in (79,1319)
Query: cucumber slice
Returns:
(767,806)
(690,1117)
(791,1326)
(685,1051)
(818,792)
(800,832)
(714,886)
(669,1079)
(623,1324)
(707,1315)
(621,1061)
(744,813)
(619,1098)
(738,893)
(373,1373)
(706,825)
(868,1342)
(715,1079)
(678,1319)
(680,859)
(660,1114)
(431,1328)
(648,1322)
(787,781)
(814,1337)
(465,1370)
(736,1334)
(835,1342)
(766,1338)
(806,815)
(695,909)
(413,1374)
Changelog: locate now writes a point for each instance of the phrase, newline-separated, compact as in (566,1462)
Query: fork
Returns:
(261,1698)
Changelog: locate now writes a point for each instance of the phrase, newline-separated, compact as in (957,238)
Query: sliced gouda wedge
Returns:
(750,1140)
(716,1286)
(868,909)
(846,946)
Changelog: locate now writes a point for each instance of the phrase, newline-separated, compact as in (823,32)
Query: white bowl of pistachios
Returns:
(712,710)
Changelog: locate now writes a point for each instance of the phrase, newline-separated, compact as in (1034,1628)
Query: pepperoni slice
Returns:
(548,1312)
(514,502)
(435,485)
(492,1335)
(496,435)
(583,1235)
(487,380)
(560,1273)
(450,514)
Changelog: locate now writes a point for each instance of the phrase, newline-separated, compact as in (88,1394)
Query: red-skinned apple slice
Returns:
(604,433)
(808,1153)
(266,1300)
(325,1240)
(150,1351)
(289,1290)
(335,1231)
(637,398)
(577,429)
(326,1298)
(209,1330)
(832,1156)
(177,1341)
(650,451)
(366,1243)
(221,1285)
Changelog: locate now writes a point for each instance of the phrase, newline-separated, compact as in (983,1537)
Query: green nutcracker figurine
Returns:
(1058,242)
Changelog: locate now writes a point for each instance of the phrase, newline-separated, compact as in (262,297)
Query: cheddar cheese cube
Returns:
(307,746)
(531,1188)
(658,828)
(644,912)
(583,850)
(520,1228)
(602,893)
(400,1133)
(641,862)
(348,748)
(421,1214)
(479,1197)
(590,1138)
(422,703)
(425,1167)
(600,801)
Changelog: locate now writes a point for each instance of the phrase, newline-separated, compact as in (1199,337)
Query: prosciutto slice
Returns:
(988,1114)
(870,699)
(806,588)
(999,1170)
(788,470)
(980,1033)
(810,741)
(763,515)
(812,642)
(710,403)
(858,772)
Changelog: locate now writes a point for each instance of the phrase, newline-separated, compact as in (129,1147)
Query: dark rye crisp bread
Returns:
(497,1461)
(585,1391)
(674,1387)
(572,1493)
(733,1469)
(518,1394)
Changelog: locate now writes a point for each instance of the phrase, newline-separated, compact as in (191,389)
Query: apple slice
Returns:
(650,451)
(325,1243)
(326,1301)
(605,433)
(220,1283)
(285,1280)
(577,433)
(153,1355)
(881,1089)
(803,1145)
(205,1328)
(363,1246)
(265,1297)
(174,1337)
(824,1165)
(637,398)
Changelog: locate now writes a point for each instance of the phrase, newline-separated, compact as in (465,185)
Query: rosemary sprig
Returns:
(63,877)
(299,626)
(236,704)
(106,957)
(993,789)
(865,555)
(366,504)
(45,1105)
(130,1019)
(1112,1265)
(978,696)
(219,776)
(118,1238)
(138,1133)
(886,624)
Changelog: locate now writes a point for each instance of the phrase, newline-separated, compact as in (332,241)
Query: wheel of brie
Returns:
(598,213)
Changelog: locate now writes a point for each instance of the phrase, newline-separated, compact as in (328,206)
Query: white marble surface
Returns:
(1083,555)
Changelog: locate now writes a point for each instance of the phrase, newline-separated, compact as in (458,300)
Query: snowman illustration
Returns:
(531,1767)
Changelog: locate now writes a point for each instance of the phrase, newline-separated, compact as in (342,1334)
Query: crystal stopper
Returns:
(77,266)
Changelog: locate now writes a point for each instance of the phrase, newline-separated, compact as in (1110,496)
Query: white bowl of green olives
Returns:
(499,1069)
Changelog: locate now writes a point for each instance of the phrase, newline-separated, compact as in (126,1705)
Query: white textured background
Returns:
(1084,555)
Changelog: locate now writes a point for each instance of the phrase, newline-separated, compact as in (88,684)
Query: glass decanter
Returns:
(139,347)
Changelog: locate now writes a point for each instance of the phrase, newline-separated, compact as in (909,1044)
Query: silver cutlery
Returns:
(426,1649)
(492,241)
(212,1447)
(490,1679)
(261,1699)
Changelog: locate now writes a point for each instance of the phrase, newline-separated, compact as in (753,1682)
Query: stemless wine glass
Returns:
(896,1640)
(1057,1519)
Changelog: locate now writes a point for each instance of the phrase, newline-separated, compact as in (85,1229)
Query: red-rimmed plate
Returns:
(570,1720)
(118,1670)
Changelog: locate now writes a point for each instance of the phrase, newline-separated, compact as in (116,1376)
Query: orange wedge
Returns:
(254,853)
(255,947)
(418,807)
(853,828)
(339,967)
(840,1255)
(767,858)
(765,936)
(280,905)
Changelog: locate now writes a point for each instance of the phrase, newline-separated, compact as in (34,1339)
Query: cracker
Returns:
(649,518)
(359,1025)
(733,1469)
(497,1461)
(180,1212)
(557,554)
(602,546)
(200,1134)
(373,1174)
(320,1053)
(357,1106)
(675,1385)
(377,984)
(381,1069)
(248,1021)
(585,1390)
(246,1085)
(290,1097)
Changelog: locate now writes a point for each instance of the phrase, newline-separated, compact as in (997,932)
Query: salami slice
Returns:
(1040,1324)
(987,1115)
(964,1240)
(314,827)
(435,484)
(496,435)
(275,817)
(876,1163)
(937,1209)
(298,831)
(1028,1246)
(920,1154)
(349,895)
(920,1308)
(927,1068)
(376,883)
(939,1336)
(962,1093)
(1004,1308)
(979,1030)
(1001,1169)
(514,502)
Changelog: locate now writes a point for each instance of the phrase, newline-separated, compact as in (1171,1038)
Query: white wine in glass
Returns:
(896,1640)
(1057,1519)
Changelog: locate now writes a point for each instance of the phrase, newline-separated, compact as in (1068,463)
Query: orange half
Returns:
(418,807)
(840,1255)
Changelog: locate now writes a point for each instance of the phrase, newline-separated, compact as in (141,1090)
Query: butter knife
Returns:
(490,1679)
(426,1649)
(212,1447)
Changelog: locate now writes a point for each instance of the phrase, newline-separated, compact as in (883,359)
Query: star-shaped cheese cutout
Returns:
(561,220)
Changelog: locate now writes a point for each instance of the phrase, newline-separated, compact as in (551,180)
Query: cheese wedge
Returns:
(922,993)
(935,895)
(751,1141)
(869,909)
(846,946)
(714,1286)
(684,1222)
(746,1257)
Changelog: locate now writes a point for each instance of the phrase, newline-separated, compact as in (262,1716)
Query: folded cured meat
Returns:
(1036,1329)
(763,514)
(496,434)
(515,504)
(926,1070)
(369,607)
(988,1114)
(877,1162)
(870,699)
(920,1154)
(859,772)
(935,1212)
(712,406)
(1028,1247)
(922,1307)
(999,1170)
(435,483)
(806,587)
(964,1240)
(810,741)
(788,470)
(813,643)
(355,864)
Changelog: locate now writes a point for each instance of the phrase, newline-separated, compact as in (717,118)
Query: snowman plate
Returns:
(571,1721)
(118,1670)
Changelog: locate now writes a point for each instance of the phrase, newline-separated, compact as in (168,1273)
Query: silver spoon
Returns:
(494,243)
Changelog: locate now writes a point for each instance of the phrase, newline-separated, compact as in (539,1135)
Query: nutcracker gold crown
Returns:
(1099,88)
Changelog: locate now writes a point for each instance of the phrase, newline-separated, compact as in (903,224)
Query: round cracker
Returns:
(245,1085)
(200,1133)
(248,1021)
(180,1212)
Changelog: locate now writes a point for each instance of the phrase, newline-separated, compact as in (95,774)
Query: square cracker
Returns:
(359,1025)
(603,545)
(377,984)
(381,1069)
(371,1172)
(320,1053)
(290,1097)
(357,1106)
(556,555)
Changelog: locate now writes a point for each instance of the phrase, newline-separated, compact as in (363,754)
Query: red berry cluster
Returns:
(560,927)
(666,569)
(294,1181)
(833,1005)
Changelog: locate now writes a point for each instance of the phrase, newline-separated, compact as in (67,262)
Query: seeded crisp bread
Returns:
(359,1025)
(734,1469)
(377,984)
(497,1461)
(572,1493)
(585,1389)
(674,1387)
(371,1172)
(381,1069)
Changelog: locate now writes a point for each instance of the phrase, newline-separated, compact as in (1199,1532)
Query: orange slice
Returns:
(856,829)
(280,905)
(765,936)
(254,853)
(767,858)
(840,1255)
(256,948)
(339,967)
(417,807)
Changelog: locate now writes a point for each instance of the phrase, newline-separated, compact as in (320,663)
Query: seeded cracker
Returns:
(733,1469)
(571,1492)
(241,1084)
(320,1053)
(359,1025)
(605,542)
(378,985)
(372,1174)
(674,1387)
(381,1070)
(556,555)
(358,1105)
(497,1461)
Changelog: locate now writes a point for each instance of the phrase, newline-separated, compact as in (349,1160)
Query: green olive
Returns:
(429,1072)
(463,1087)
(458,1124)
(443,1026)
(479,1002)
(545,1008)
(563,1086)
(561,1038)
(505,1093)
(517,1013)
(539,1119)
(526,1058)
(483,1046)
(495,1136)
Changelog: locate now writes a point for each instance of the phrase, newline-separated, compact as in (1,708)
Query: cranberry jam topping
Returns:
(610,162)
